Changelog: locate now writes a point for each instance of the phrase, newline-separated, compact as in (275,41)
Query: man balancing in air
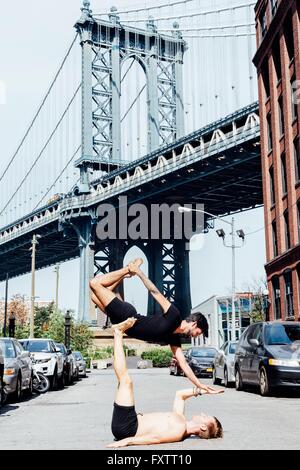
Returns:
(130,428)
(163,328)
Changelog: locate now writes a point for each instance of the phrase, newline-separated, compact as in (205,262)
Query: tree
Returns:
(56,328)
(259,302)
(18,309)
(81,337)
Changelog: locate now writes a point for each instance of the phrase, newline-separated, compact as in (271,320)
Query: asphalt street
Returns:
(79,416)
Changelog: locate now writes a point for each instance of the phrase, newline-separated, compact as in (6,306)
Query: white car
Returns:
(224,364)
(46,358)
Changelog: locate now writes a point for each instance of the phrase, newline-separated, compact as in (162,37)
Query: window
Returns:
(276,59)
(275,244)
(263,23)
(287,230)
(276,298)
(266,78)
(289,309)
(297,159)
(283,174)
(288,35)
(274,6)
(272,185)
(270,135)
(281,116)
(298,218)
(294,99)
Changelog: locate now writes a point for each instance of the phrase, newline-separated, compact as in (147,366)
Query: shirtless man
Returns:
(164,328)
(130,428)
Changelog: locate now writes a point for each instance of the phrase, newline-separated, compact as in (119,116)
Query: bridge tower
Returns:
(105,46)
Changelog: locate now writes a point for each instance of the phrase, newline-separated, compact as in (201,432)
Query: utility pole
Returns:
(33,256)
(56,270)
(5,306)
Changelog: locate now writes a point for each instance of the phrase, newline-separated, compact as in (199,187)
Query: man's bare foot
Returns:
(135,265)
(124,326)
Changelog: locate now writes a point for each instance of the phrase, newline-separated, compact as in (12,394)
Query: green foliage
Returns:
(102,353)
(22,331)
(56,328)
(159,357)
(81,337)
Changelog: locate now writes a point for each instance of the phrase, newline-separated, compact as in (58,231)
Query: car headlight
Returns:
(42,361)
(194,362)
(9,371)
(284,362)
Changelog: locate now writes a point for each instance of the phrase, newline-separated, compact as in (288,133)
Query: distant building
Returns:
(278,65)
(217,311)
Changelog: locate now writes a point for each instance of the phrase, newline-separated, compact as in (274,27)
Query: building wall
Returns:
(209,309)
(278,65)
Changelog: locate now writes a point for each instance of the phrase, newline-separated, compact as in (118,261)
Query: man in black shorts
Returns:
(130,428)
(164,328)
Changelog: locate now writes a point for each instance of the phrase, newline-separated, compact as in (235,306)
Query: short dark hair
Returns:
(201,321)
(219,430)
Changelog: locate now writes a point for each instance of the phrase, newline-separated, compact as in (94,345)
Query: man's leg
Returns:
(124,396)
(102,287)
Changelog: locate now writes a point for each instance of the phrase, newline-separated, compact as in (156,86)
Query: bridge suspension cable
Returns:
(146,8)
(208,28)
(39,108)
(190,15)
(41,152)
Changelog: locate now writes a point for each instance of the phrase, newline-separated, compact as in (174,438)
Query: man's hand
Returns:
(116,445)
(209,390)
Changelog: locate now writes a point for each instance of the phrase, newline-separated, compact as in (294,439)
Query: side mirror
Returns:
(69,351)
(57,350)
(254,342)
(25,354)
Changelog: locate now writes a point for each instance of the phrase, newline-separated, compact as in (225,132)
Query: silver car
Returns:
(224,365)
(17,368)
(81,364)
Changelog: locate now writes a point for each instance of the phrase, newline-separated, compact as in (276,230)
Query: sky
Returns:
(33,38)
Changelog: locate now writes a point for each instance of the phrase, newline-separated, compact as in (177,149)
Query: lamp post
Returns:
(233,247)
(68,329)
(5,306)
(34,243)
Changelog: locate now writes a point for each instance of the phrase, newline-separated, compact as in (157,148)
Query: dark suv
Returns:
(268,355)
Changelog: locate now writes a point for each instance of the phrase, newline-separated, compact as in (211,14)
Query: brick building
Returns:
(278,65)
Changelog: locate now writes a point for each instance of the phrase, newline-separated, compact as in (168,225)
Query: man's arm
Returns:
(137,441)
(189,373)
(158,296)
(183,395)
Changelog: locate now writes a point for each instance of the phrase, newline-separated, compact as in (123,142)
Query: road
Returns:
(78,417)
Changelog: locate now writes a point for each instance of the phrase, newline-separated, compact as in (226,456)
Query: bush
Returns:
(159,357)
(102,353)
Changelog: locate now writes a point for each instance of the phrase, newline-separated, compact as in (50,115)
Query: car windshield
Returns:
(61,347)
(203,352)
(232,348)
(37,346)
(278,334)
(8,349)
(77,355)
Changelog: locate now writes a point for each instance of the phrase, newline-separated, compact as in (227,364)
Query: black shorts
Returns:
(118,311)
(124,422)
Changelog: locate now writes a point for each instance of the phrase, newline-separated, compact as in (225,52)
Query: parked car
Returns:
(1,377)
(200,359)
(175,368)
(47,359)
(224,365)
(268,356)
(17,368)
(70,364)
(81,364)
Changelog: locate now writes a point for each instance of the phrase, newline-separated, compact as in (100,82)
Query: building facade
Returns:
(218,313)
(278,65)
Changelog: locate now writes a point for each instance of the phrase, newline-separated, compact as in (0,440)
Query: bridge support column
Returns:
(86,309)
(116,93)
(170,272)
(153,119)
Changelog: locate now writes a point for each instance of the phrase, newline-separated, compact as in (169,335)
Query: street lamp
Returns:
(233,247)
(68,319)
(34,243)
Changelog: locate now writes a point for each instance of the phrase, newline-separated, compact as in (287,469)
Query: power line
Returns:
(39,109)
(42,151)
(218,35)
(136,10)
(189,15)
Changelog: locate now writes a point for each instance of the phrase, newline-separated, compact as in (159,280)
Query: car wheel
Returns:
(29,390)
(264,383)
(16,396)
(238,380)
(54,381)
(171,371)
(216,380)
(176,373)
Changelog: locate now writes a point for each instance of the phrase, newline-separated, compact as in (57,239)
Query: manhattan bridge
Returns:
(155,103)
